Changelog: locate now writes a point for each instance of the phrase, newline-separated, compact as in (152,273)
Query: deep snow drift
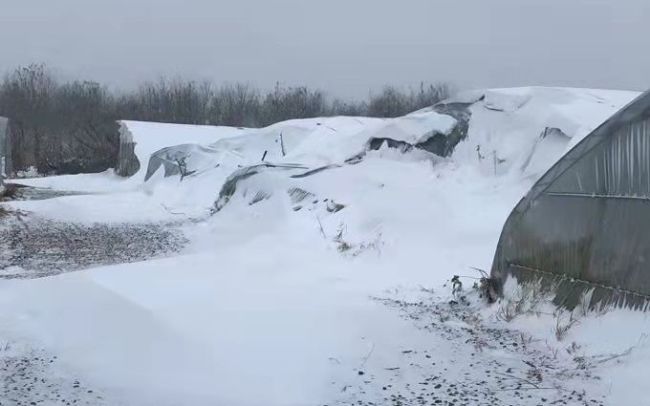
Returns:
(322,278)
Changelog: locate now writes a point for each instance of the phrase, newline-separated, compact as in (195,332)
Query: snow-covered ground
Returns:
(328,287)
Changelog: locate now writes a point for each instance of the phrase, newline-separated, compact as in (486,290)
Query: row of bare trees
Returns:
(58,127)
(71,127)
(242,105)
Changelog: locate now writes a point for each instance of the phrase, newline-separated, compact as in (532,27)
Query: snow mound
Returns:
(508,125)
(415,128)
(308,142)
(516,132)
(519,129)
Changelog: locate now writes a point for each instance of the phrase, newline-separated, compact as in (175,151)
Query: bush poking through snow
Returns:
(347,248)
(456,285)
(342,246)
(487,287)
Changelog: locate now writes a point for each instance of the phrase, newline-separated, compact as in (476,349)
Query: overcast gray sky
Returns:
(343,46)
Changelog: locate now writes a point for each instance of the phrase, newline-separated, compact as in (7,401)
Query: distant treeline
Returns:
(241,105)
(69,127)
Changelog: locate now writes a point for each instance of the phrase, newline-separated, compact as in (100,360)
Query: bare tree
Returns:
(236,105)
(55,128)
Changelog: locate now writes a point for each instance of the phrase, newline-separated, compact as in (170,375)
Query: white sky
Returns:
(345,47)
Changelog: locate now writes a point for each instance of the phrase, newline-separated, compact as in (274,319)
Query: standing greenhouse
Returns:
(585,225)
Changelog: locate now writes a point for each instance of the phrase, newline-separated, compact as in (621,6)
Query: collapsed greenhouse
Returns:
(585,225)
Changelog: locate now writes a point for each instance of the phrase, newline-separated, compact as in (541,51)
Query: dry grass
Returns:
(531,297)
(525,300)
(564,321)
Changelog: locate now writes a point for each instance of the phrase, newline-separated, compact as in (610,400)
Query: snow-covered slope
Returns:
(511,123)
(321,278)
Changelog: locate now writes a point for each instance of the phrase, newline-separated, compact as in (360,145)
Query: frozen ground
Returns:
(326,289)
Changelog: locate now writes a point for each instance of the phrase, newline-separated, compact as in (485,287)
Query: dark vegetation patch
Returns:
(57,128)
(34,247)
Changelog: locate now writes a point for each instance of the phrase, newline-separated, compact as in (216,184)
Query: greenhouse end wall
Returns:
(586,223)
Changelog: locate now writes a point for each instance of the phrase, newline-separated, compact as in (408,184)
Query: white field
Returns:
(263,308)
